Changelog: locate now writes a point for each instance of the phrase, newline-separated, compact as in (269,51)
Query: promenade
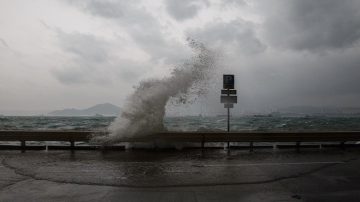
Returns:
(323,167)
(329,174)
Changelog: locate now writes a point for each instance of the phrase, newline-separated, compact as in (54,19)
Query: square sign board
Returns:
(229,81)
(228,99)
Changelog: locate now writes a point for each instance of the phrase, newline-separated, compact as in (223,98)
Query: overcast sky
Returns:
(58,54)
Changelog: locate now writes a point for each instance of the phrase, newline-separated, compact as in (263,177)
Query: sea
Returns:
(189,123)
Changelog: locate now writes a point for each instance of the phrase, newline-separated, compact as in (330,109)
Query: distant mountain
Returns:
(105,109)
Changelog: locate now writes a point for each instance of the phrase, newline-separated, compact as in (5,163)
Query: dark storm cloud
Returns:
(140,25)
(313,25)
(184,9)
(237,36)
(318,80)
(322,26)
(91,61)
(281,77)
(334,75)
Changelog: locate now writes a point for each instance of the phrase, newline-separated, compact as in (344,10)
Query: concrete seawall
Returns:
(189,137)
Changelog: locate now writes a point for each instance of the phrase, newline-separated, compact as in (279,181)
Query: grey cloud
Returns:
(184,9)
(104,74)
(314,25)
(89,59)
(106,8)
(81,73)
(141,26)
(71,75)
(84,46)
(237,36)
(103,9)
(335,75)
(131,71)
(299,80)
(229,3)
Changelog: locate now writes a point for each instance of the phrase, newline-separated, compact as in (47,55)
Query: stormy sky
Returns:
(58,54)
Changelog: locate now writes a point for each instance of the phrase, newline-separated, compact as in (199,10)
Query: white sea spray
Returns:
(144,110)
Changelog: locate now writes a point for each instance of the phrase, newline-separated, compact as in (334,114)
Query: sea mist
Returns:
(144,110)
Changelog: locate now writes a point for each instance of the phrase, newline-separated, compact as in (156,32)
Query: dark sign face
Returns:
(228,99)
(230,92)
(229,81)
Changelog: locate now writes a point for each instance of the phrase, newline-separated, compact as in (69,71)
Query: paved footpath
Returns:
(188,175)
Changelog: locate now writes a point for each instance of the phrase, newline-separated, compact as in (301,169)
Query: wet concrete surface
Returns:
(187,175)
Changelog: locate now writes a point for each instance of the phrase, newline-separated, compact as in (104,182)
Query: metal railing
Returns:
(199,137)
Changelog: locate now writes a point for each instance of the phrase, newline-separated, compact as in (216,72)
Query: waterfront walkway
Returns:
(188,175)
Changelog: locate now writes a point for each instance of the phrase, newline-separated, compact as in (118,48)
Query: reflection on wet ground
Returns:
(191,170)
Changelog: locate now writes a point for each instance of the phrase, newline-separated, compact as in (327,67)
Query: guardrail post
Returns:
(297,146)
(202,142)
(72,144)
(202,145)
(251,147)
(23,146)
(342,145)
(103,149)
(228,148)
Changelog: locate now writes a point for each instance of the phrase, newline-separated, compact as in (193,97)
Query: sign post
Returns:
(228,97)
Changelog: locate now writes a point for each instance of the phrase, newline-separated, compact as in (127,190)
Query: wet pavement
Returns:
(187,175)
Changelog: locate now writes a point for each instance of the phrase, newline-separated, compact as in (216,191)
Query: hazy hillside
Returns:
(105,109)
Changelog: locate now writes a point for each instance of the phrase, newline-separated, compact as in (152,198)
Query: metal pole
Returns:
(72,144)
(23,146)
(228,119)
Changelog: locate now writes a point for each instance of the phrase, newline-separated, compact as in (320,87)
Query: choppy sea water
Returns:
(249,123)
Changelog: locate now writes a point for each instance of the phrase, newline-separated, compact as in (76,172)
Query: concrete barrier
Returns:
(199,137)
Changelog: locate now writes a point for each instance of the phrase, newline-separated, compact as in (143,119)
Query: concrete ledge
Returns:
(187,136)
(180,137)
